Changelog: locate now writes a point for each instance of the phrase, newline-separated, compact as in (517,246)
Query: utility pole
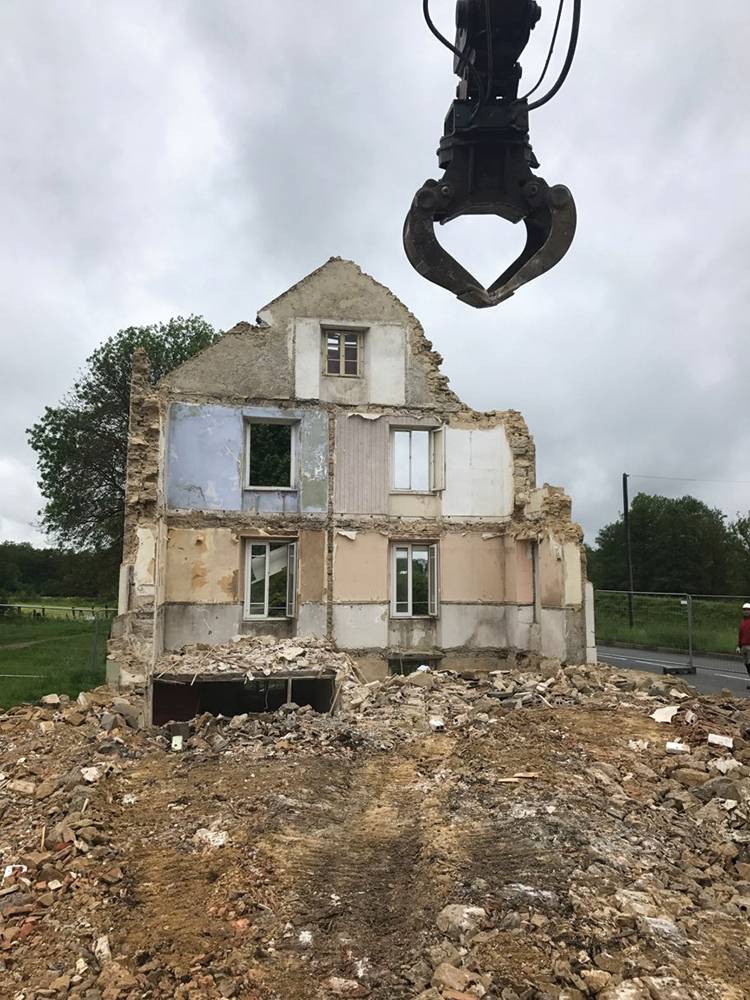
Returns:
(628,550)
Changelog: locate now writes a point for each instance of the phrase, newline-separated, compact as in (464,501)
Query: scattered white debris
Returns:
(178,743)
(639,744)
(305,939)
(91,775)
(102,951)
(129,799)
(721,741)
(211,837)
(676,746)
(437,724)
(665,714)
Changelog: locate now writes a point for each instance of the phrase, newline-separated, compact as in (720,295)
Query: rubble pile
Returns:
(258,656)
(540,833)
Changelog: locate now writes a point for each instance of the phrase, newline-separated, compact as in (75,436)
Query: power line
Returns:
(687,479)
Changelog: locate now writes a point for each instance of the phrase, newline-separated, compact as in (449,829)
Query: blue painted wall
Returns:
(205,460)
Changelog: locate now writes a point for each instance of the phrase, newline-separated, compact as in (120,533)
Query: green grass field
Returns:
(40,656)
(663,621)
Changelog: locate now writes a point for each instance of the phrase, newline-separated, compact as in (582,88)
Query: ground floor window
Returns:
(270,579)
(414,580)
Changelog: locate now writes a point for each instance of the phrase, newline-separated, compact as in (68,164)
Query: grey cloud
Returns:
(190,157)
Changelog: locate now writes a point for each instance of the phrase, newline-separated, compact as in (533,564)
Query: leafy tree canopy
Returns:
(81,444)
(679,546)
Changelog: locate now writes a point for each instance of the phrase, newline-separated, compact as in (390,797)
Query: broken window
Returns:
(414,568)
(343,352)
(270,579)
(270,454)
(417,460)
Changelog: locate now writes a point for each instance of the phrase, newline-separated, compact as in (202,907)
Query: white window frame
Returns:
(291,579)
(433,579)
(341,333)
(436,458)
(293,476)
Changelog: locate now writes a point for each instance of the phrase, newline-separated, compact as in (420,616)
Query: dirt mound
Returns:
(522,835)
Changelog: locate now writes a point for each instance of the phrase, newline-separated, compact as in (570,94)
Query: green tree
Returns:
(81,444)
(679,545)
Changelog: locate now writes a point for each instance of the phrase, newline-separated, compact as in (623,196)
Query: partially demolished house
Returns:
(314,475)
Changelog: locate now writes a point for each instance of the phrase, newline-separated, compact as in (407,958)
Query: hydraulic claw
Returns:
(486,155)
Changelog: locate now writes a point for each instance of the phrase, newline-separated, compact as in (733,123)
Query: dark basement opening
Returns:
(182,700)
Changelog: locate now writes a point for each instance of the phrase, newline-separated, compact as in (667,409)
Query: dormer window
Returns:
(343,353)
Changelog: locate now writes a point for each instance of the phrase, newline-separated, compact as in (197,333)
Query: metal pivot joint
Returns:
(487,158)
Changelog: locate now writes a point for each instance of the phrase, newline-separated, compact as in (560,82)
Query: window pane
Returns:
(420,598)
(402,581)
(433,580)
(291,596)
(277,580)
(271,455)
(351,354)
(420,460)
(258,580)
(334,354)
(401,460)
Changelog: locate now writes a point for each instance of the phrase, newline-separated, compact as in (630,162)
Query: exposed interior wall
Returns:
(472,568)
(478,473)
(203,566)
(361,464)
(205,468)
(360,568)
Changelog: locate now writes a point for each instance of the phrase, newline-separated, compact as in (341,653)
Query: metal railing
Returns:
(680,622)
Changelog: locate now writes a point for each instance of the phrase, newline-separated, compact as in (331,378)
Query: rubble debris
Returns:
(545,845)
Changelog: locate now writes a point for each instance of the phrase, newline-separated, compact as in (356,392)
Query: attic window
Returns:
(343,353)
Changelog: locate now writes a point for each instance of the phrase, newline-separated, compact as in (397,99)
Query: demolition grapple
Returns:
(486,154)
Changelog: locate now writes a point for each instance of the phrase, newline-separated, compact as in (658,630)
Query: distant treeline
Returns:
(679,546)
(27,573)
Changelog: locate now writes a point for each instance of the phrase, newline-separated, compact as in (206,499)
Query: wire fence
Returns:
(56,611)
(689,623)
(51,648)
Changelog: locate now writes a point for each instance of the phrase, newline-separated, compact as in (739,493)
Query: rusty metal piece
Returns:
(487,157)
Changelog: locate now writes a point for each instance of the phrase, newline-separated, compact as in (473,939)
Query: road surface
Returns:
(713,674)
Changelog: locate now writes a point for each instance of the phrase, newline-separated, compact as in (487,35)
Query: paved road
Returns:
(713,674)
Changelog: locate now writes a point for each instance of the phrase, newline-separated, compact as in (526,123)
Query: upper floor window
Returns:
(417,459)
(270,579)
(343,352)
(269,459)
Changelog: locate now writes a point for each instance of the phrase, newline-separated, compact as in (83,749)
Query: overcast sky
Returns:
(200,156)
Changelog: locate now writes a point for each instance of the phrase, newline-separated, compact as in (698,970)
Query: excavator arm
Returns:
(486,154)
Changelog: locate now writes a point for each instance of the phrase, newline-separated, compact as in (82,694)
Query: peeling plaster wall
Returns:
(471,625)
(205,463)
(203,566)
(205,457)
(551,573)
(572,575)
(361,626)
(185,624)
(360,568)
(478,473)
(471,569)
(312,567)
